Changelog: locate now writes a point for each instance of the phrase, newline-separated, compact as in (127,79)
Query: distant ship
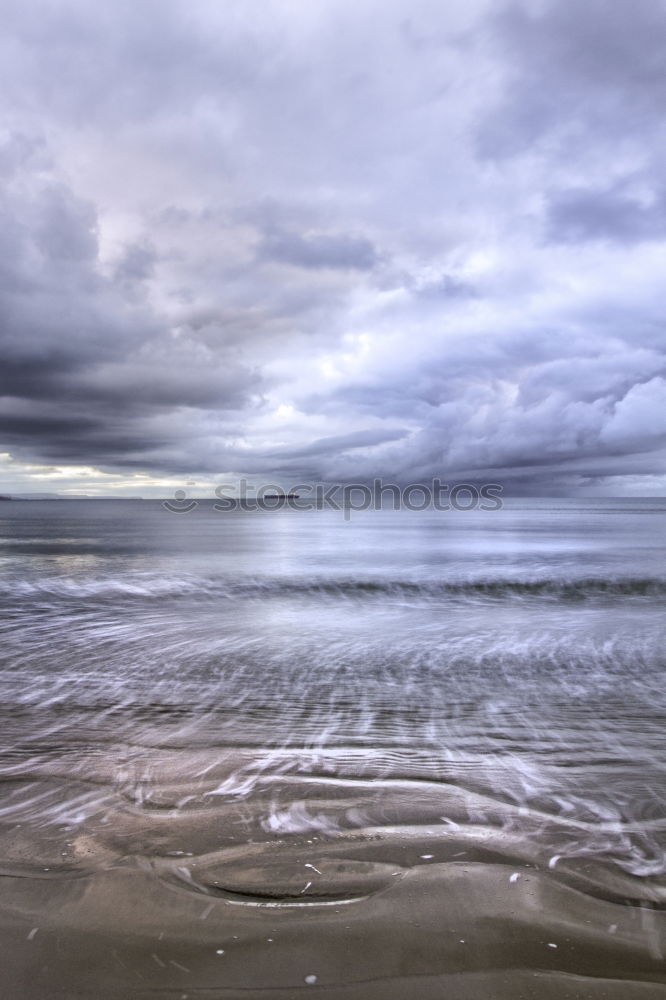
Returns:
(281,496)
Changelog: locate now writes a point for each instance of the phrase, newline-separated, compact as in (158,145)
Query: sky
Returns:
(332,241)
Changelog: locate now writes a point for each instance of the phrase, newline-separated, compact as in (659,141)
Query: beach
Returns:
(280,753)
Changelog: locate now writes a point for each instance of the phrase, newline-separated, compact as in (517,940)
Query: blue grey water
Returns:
(477,688)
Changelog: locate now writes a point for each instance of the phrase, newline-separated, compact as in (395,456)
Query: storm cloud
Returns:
(333,241)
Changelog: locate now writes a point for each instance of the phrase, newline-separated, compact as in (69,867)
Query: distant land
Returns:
(60,496)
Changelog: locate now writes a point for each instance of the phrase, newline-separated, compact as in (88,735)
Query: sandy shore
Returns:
(315,882)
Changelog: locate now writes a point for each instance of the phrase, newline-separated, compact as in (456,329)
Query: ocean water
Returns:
(261,753)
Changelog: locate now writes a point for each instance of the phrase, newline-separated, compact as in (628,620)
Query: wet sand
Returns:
(243,882)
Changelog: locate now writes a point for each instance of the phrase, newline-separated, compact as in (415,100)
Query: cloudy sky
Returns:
(331,241)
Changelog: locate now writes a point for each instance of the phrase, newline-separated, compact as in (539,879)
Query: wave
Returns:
(152,587)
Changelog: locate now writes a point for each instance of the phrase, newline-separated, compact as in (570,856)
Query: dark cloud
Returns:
(575,74)
(320,250)
(137,264)
(582,214)
(342,443)
(335,241)
(85,368)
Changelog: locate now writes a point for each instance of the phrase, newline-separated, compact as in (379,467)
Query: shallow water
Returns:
(256,754)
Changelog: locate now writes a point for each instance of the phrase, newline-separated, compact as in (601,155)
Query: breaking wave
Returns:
(139,588)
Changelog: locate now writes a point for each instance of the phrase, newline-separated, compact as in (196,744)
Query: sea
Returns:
(397,754)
